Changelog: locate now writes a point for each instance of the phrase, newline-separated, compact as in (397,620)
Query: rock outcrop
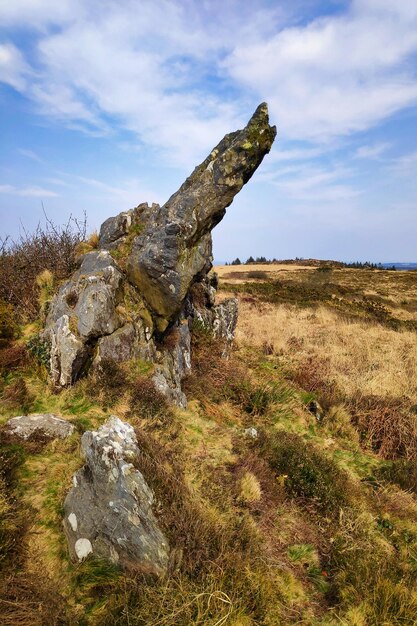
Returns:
(44,425)
(175,246)
(149,277)
(108,512)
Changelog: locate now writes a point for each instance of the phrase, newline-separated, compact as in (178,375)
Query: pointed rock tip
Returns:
(261,117)
(261,111)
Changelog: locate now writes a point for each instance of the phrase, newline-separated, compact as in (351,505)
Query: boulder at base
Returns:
(43,425)
(108,512)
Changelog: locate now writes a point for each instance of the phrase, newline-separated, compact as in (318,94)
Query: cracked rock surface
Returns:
(149,277)
(108,511)
(42,424)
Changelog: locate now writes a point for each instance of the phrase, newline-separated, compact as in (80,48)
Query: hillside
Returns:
(311,518)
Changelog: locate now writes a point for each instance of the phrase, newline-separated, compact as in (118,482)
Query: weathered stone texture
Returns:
(175,247)
(108,512)
(149,277)
(45,425)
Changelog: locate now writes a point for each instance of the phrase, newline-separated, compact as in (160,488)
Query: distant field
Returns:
(389,296)
(344,334)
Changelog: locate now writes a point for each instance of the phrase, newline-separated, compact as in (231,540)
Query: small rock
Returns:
(108,512)
(316,410)
(251,432)
(44,424)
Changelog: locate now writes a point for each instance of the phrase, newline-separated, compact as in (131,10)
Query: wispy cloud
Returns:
(373,151)
(405,164)
(13,67)
(331,77)
(30,154)
(336,75)
(126,193)
(314,183)
(34,192)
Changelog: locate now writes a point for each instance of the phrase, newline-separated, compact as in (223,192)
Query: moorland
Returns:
(288,485)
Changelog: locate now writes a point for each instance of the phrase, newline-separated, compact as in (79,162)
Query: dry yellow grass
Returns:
(362,358)
(270,268)
(250,489)
(235,274)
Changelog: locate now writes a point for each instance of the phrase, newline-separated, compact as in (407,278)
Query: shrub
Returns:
(12,520)
(40,349)
(257,275)
(255,398)
(12,357)
(250,489)
(314,375)
(218,379)
(402,472)
(367,573)
(51,248)
(8,327)
(308,472)
(386,425)
(111,380)
(146,401)
(32,599)
(17,396)
(338,422)
(45,283)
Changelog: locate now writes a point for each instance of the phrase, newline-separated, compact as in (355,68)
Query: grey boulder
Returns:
(108,512)
(83,310)
(45,425)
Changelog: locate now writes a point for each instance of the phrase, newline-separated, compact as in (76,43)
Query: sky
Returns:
(105,104)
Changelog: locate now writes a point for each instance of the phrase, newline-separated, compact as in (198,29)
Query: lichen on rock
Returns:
(148,277)
(108,512)
(175,246)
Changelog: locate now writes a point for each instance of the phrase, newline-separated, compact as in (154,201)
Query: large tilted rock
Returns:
(108,512)
(149,277)
(175,246)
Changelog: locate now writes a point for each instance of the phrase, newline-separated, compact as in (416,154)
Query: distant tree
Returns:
(236,262)
(250,260)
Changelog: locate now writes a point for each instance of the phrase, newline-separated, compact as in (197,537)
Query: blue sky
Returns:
(105,104)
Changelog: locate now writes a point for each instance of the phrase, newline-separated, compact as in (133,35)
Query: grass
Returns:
(313,521)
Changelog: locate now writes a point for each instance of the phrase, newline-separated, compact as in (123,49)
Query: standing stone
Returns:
(149,276)
(175,246)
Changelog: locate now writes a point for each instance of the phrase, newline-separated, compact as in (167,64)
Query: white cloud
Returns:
(38,13)
(126,193)
(373,151)
(294,154)
(30,154)
(405,164)
(178,75)
(13,67)
(336,75)
(150,66)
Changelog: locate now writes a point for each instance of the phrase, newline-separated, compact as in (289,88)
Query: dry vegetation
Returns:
(312,522)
